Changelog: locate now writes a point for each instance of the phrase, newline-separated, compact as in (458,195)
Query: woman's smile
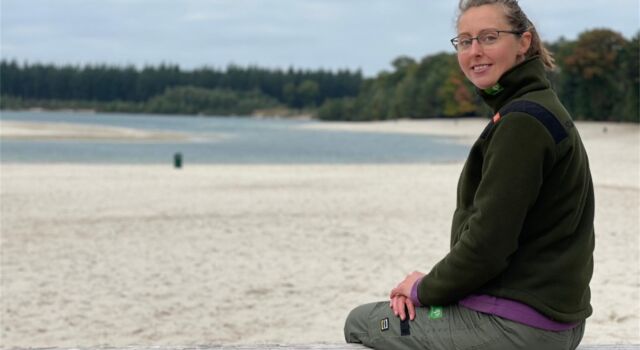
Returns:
(481,68)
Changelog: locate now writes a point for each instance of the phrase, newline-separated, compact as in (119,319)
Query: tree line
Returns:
(597,78)
(234,90)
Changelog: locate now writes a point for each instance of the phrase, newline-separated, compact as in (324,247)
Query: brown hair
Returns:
(518,19)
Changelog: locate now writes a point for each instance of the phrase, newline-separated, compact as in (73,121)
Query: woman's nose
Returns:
(476,48)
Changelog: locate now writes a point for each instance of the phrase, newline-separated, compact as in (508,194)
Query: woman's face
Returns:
(483,65)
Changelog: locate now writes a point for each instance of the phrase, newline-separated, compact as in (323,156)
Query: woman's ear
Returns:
(525,43)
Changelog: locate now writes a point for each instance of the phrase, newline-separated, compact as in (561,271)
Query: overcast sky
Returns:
(330,34)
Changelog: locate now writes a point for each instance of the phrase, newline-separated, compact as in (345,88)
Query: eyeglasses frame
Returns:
(477,38)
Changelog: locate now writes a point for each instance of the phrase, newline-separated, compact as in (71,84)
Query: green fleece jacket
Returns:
(523,226)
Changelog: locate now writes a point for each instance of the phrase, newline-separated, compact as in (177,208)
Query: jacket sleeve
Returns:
(512,173)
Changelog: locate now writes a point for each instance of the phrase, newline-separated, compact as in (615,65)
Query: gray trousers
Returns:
(375,326)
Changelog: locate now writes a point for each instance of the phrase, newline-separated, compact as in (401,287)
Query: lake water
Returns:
(225,140)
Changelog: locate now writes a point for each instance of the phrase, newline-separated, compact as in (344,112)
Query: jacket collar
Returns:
(529,75)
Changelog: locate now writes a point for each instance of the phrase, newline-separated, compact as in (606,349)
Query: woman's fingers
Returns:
(411,308)
(400,305)
(396,305)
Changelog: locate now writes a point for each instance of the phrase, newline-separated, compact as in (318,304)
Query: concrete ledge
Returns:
(297,347)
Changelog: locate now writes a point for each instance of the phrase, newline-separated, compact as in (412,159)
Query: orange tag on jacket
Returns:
(496,117)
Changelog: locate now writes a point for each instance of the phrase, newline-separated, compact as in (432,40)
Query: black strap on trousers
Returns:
(404,325)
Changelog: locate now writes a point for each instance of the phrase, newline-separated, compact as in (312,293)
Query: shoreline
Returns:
(258,114)
(465,130)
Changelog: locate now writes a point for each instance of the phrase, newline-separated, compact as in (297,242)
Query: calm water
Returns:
(243,141)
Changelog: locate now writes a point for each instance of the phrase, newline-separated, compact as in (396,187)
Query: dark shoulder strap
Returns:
(543,115)
(550,122)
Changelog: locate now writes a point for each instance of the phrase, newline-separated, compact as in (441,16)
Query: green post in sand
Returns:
(177,160)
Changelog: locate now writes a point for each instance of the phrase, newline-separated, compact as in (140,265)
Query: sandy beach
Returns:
(124,254)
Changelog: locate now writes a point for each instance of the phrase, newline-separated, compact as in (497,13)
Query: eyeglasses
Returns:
(486,38)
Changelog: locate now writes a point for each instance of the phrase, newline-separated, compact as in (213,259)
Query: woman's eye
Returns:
(489,38)
(465,42)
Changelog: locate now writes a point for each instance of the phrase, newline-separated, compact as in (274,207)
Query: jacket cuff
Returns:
(414,293)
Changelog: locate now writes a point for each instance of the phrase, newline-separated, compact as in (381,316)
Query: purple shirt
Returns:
(508,309)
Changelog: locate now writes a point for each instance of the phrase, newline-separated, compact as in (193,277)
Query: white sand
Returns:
(120,255)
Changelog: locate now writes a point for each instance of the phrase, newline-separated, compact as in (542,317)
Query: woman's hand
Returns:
(398,304)
(400,296)
(404,287)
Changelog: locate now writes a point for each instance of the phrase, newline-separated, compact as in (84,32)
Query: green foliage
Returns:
(458,95)
(339,109)
(435,70)
(308,92)
(593,68)
(193,100)
(433,87)
(629,64)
